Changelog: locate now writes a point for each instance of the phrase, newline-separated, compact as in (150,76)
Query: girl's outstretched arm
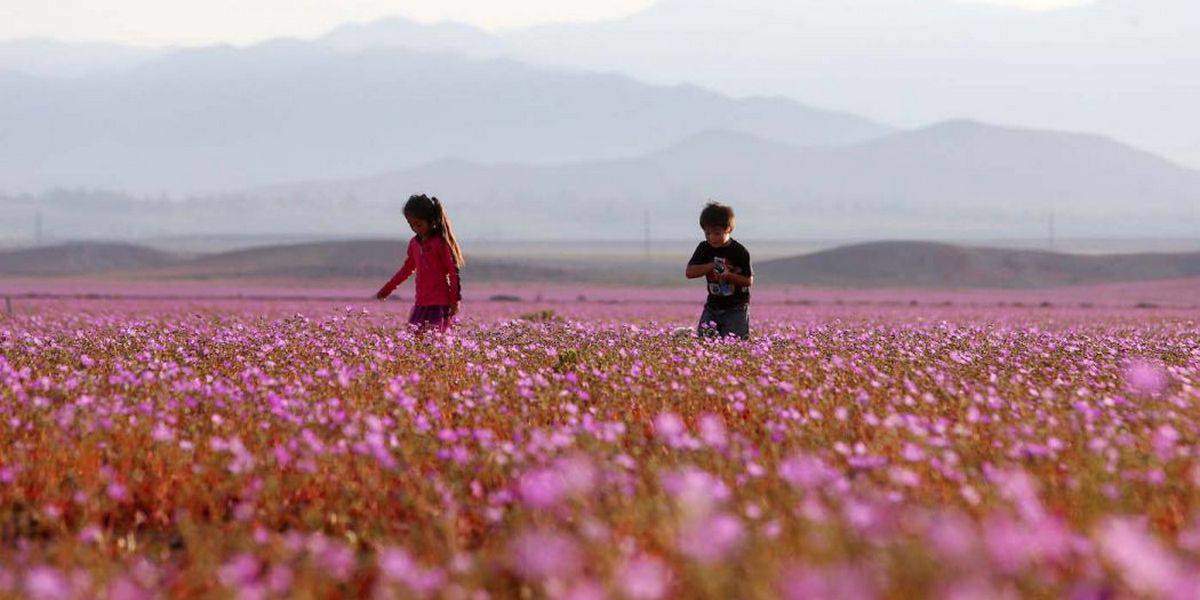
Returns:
(410,265)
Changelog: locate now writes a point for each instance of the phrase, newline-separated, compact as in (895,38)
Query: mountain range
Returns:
(223,118)
(327,137)
(958,179)
(1121,68)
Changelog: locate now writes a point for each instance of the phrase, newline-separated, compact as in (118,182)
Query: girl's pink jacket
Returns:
(437,275)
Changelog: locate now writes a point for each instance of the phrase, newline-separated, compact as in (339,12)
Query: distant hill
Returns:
(878,264)
(353,259)
(80,258)
(926,264)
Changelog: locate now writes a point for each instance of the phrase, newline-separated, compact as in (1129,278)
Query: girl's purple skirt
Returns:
(430,317)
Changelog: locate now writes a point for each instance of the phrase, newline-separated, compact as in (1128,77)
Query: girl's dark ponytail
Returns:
(448,234)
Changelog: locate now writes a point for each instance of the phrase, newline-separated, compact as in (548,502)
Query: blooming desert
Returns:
(149,449)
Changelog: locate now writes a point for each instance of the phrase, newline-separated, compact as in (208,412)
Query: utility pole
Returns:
(646,232)
(1050,228)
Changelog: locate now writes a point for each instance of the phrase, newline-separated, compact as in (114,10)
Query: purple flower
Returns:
(46,583)
(712,431)
(162,433)
(542,553)
(395,564)
(125,588)
(953,537)
(1145,378)
(1147,566)
(336,559)
(577,473)
(585,590)
(695,491)
(805,472)
(712,538)
(239,571)
(117,492)
(838,582)
(544,488)
(669,427)
(1020,489)
(644,578)
(1165,438)
(541,488)
(912,452)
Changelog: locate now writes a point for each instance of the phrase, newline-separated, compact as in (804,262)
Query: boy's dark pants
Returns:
(725,321)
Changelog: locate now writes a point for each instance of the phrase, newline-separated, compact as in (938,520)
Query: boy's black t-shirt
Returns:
(732,256)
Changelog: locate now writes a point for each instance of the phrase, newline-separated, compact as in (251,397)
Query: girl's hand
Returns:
(380,295)
(454,309)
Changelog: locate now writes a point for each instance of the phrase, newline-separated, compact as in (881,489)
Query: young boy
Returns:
(726,265)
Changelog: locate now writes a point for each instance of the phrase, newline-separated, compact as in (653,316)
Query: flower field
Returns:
(235,449)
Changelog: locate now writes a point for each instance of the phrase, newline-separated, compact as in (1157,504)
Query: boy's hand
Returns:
(704,270)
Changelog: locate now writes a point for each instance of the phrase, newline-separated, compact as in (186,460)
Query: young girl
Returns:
(434,254)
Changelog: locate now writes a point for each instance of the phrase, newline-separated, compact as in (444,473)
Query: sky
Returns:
(196,22)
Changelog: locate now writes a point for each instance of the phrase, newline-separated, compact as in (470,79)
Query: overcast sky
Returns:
(169,22)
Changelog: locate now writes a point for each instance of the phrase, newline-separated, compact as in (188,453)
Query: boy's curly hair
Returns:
(716,214)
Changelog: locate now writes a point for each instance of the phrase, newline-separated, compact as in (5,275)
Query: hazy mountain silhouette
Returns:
(224,118)
(957,179)
(1118,67)
(960,180)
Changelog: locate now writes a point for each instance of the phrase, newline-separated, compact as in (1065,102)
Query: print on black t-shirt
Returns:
(719,288)
(732,257)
